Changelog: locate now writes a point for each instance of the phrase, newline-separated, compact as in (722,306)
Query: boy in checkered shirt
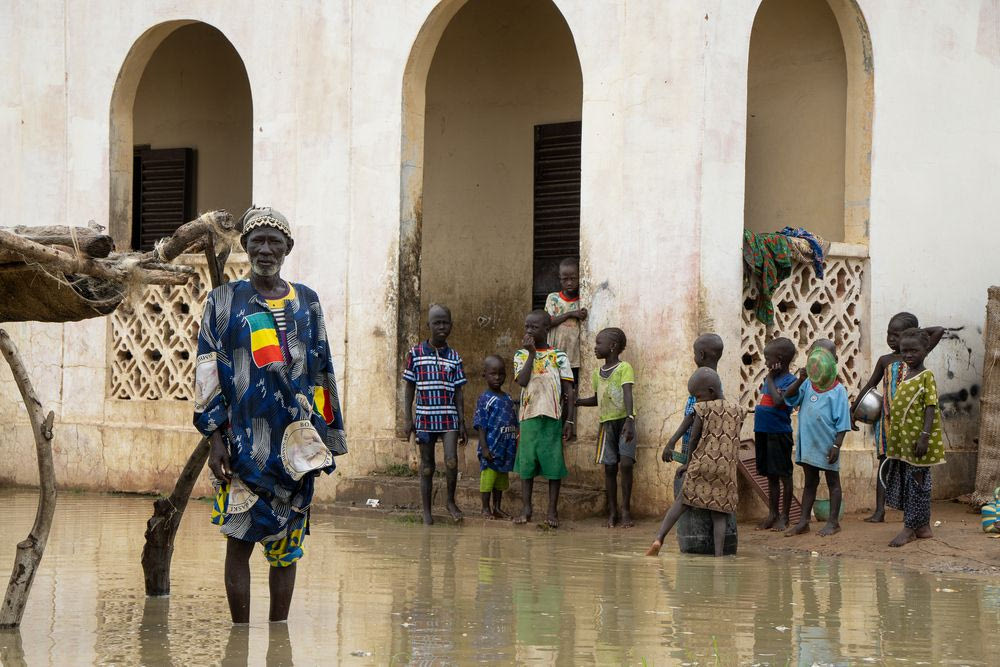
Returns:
(434,376)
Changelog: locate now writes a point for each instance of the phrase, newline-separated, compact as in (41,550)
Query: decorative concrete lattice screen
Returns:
(806,309)
(154,346)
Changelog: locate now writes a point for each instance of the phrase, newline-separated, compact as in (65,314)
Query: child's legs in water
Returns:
(878,516)
(625,467)
(451,471)
(808,498)
(719,531)
(611,492)
(833,521)
(426,477)
(669,519)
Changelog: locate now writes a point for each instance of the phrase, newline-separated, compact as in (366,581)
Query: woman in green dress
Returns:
(915,441)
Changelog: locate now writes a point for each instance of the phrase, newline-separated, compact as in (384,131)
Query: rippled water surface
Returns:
(374,591)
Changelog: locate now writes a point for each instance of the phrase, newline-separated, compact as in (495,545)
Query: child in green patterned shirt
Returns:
(613,384)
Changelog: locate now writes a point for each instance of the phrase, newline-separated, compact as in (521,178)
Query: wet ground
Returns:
(389,591)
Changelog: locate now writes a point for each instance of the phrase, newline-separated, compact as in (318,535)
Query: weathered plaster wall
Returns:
(796,119)
(499,70)
(664,116)
(934,163)
(194,94)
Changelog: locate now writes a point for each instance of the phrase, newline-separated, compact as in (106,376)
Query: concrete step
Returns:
(575,502)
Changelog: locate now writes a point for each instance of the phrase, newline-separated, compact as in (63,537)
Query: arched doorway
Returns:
(810,95)
(181,143)
(809,103)
(181,132)
(488,87)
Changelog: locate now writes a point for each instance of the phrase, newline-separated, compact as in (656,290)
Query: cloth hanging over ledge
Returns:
(767,261)
(807,247)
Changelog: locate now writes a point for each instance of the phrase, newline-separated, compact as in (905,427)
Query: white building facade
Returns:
(406,142)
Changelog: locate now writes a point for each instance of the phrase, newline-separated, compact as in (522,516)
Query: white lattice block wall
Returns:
(806,309)
(154,346)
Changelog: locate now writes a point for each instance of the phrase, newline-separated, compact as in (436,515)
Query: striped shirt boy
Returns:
(436,374)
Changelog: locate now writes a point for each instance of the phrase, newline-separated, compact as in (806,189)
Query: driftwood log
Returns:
(161,529)
(30,550)
(90,240)
(68,274)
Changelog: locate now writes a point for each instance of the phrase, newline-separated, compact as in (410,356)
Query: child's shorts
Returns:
(541,449)
(611,446)
(493,480)
(430,437)
(773,452)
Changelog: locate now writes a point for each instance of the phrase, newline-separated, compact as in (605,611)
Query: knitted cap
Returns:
(264,216)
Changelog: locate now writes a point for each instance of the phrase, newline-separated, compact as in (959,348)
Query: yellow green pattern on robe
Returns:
(913,396)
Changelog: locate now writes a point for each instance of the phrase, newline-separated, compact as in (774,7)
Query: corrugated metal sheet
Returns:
(557,204)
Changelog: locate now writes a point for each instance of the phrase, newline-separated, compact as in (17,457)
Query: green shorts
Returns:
(540,451)
(493,480)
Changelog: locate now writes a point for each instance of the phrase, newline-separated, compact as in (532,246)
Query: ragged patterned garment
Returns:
(818,247)
(766,262)
(254,384)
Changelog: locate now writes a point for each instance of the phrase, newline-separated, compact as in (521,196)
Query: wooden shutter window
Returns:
(163,193)
(557,204)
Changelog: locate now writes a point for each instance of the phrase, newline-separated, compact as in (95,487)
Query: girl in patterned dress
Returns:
(710,475)
(889,372)
(915,441)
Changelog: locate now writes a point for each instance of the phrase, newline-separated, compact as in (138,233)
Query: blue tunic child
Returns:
(496,422)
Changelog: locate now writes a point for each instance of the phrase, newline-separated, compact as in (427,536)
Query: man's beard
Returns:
(266,271)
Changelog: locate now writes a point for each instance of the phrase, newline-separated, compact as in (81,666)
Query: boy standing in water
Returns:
(707,353)
(567,313)
(496,421)
(772,426)
(545,377)
(710,477)
(613,384)
(434,374)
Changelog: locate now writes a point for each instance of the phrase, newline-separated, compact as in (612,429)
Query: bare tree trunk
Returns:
(162,526)
(167,512)
(29,552)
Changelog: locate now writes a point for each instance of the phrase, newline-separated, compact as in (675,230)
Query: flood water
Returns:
(385,591)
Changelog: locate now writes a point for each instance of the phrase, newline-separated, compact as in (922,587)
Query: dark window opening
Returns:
(557,204)
(163,193)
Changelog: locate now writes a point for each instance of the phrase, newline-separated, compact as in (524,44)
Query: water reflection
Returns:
(375,592)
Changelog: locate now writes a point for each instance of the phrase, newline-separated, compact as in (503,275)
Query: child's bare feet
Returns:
(767,523)
(798,529)
(923,532)
(428,518)
(829,529)
(500,514)
(654,549)
(781,524)
(905,536)
(552,521)
(612,520)
(456,514)
(522,519)
(876,517)
(487,514)
(627,521)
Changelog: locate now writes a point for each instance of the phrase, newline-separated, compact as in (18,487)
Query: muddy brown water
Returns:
(386,591)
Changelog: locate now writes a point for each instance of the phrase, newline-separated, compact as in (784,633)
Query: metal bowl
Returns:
(869,407)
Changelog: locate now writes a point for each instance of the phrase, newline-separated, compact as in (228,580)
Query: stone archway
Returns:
(182,86)
(809,119)
(481,77)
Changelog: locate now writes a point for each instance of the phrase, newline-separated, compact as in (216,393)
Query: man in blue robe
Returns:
(267,398)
